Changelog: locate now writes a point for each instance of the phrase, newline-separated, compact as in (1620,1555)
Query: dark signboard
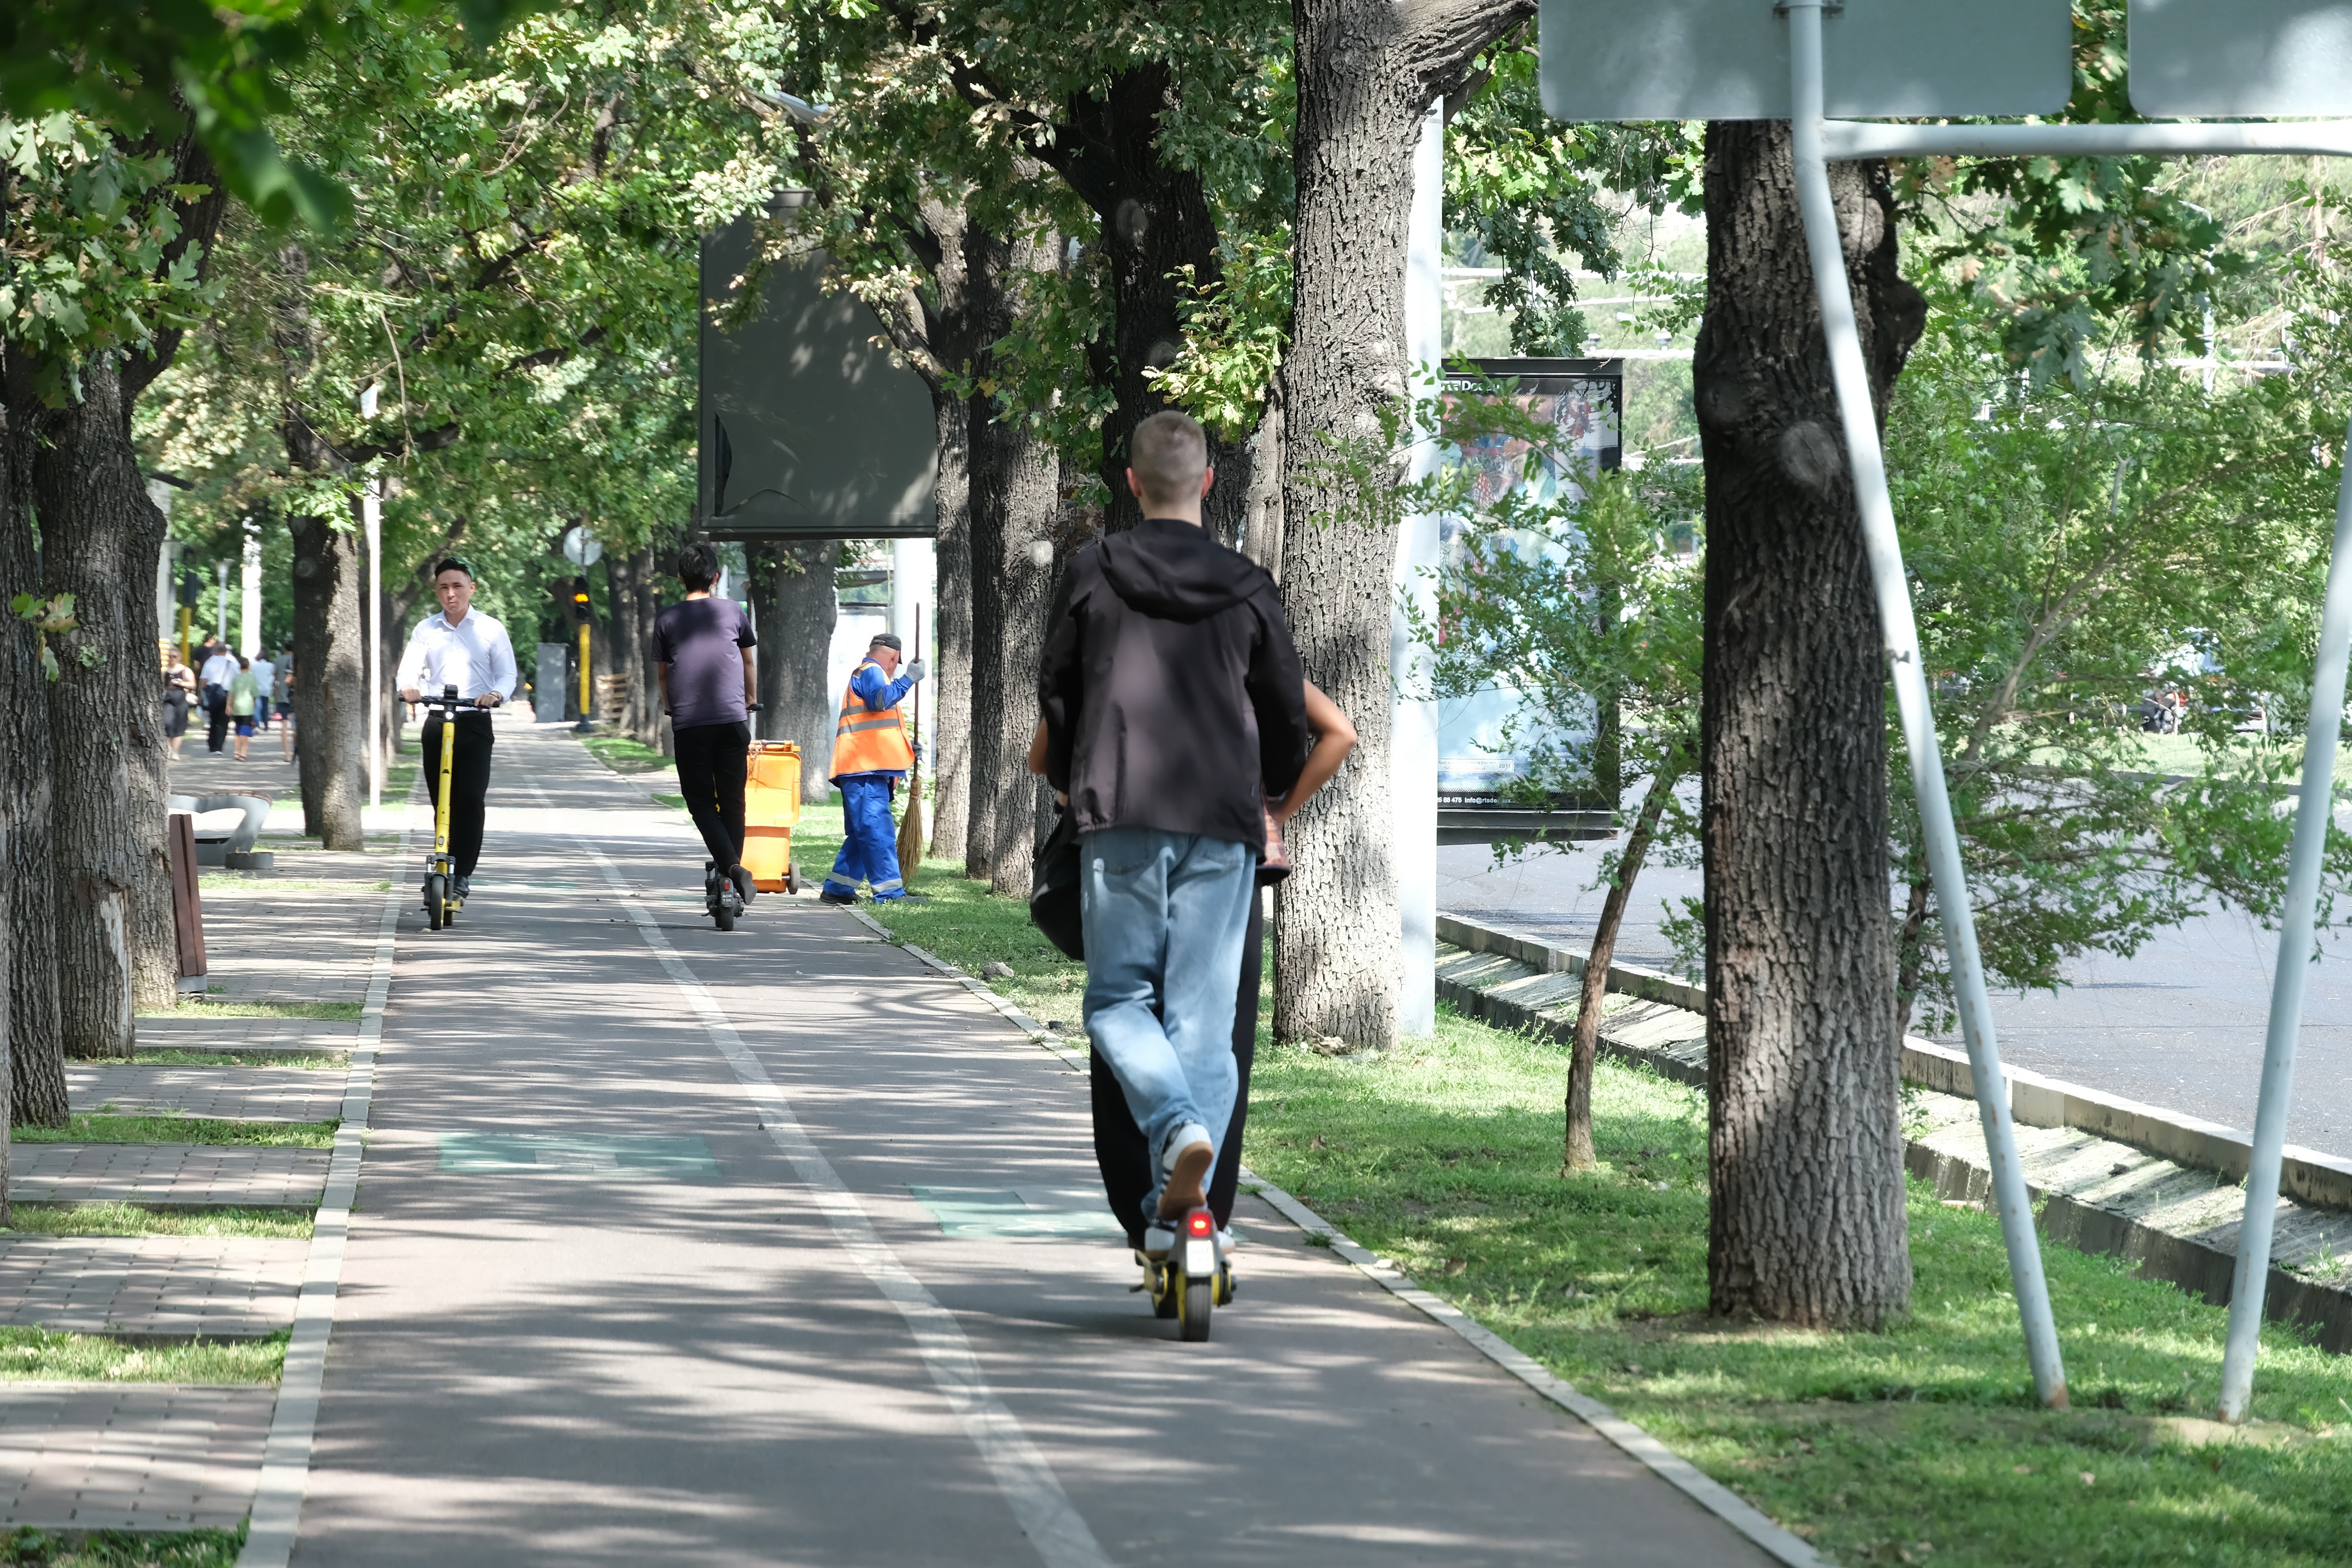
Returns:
(808,430)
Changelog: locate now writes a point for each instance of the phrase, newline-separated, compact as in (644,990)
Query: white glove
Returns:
(918,671)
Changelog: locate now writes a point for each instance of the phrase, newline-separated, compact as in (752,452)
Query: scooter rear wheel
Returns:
(1192,1314)
(723,912)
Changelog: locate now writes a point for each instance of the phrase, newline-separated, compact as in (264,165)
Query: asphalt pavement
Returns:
(776,1246)
(2180,1025)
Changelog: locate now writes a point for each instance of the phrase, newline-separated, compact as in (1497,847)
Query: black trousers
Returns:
(1120,1152)
(711,763)
(215,719)
(469,783)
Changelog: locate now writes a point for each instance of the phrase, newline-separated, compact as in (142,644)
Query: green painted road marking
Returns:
(626,1157)
(990,1211)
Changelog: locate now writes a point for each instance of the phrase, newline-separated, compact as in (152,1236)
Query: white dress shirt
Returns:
(219,670)
(473,656)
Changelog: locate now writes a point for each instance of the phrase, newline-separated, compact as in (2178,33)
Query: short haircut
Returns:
(452,564)
(243,662)
(1168,453)
(697,565)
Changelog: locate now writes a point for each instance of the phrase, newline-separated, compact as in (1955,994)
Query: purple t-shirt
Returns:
(702,641)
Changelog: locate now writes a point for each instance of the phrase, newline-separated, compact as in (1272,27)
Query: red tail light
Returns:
(1200,1222)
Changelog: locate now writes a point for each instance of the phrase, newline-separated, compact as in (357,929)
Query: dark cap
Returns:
(889,640)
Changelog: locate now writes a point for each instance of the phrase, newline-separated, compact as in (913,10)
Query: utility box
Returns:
(771,806)
(551,692)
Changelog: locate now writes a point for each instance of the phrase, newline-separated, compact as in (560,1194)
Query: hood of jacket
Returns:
(1173,571)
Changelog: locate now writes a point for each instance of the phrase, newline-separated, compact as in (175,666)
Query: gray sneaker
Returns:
(465,886)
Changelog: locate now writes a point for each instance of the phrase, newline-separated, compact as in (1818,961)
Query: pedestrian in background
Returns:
(1175,709)
(179,691)
(282,694)
(215,673)
(702,648)
(243,694)
(264,674)
(871,753)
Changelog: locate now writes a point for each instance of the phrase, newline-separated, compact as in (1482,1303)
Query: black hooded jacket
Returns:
(1170,690)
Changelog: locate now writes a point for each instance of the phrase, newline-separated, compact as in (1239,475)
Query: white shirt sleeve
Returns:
(503,676)
(412,661)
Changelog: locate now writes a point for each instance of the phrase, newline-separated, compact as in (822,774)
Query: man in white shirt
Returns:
(218,670)
(465,649)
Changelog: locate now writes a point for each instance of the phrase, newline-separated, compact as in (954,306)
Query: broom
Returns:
(911,824)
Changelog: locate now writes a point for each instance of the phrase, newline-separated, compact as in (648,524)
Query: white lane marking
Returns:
(293,1424)
(1039,1504)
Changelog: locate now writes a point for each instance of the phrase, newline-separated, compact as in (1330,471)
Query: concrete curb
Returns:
(1670,1467)
(2101,1169)
(293,1424)
(2034,1099)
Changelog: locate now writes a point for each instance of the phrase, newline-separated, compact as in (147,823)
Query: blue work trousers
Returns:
(869,843)
(1165,916)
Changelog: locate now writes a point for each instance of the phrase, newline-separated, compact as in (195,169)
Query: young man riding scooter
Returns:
(1174,708)
(463,647)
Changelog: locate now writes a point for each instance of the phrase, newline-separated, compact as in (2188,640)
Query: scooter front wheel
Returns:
(436,902)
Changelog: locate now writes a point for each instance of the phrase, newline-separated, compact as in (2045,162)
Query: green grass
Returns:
(84,1127)
(1887,1447)
(253,1007)
(675,802)
(27,1547)
(624,755)
(130,1219)
(960,921)
(37,1355)
(238,1059)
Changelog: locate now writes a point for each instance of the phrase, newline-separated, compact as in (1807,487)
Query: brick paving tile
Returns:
(208,1174)
(210,1287)
(128,1455)
(248,1094)
(198,1032)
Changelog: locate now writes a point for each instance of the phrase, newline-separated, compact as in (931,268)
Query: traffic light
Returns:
(192,587)
(579,610)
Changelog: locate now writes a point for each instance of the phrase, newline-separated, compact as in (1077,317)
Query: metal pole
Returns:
(2314,809)
(372,513)
(1943,844)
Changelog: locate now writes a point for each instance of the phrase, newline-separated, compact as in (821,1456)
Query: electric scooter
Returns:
(1193,1279)
(719,892)
(441,900)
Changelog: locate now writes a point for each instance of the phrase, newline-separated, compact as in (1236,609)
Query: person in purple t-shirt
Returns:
(709,690)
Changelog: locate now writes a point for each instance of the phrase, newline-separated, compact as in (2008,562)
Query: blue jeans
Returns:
(869,843)
(1165,916)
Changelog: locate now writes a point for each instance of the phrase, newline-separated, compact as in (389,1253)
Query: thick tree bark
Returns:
(331,688)
(651,566)
(621,579)
(1156,221)
(1014,503)
(99,535)
(793,601)
(1805,1149)
(37,1064)
(1367,72)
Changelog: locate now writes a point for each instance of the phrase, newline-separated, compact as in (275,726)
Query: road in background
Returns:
(2178,1025)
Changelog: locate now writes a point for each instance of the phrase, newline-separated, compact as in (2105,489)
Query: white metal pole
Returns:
(249,617)
(2315,806)
(1869,464)
(220,606)
(371,515)
(1412,725)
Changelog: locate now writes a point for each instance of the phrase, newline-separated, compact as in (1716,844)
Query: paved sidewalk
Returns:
(201,1287)
(128,1455)
(236,1093)
(813,1352)
(204,1174)
(192,1031)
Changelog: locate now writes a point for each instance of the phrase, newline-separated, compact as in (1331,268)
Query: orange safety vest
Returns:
(868,740)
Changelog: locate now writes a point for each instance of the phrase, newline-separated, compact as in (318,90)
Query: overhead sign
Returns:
(2275,58)
(808,431)
(1729,59)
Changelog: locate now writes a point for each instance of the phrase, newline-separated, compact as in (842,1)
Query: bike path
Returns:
(653,1272)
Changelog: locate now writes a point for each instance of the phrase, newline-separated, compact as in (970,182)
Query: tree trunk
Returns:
(1805,1151)
(1003,466)
(793,597)
(1367,72)
(36,1064)
(952,792)
(621,584)
(99,535)
(650,567)
(1577,1154)
(1016,489)
(331,694)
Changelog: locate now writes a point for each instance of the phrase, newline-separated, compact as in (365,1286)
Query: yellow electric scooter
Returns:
(441,900)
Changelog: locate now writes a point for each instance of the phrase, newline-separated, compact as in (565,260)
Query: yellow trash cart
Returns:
(771,806)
